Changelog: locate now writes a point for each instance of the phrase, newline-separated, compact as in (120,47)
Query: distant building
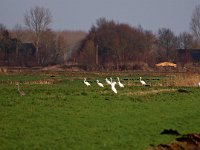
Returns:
(23,54)
(27,54)
(188,56)
(27,49)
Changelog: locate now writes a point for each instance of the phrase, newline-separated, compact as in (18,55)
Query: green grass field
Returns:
(65,114)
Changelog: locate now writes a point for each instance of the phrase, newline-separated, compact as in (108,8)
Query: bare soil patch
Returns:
(184,142)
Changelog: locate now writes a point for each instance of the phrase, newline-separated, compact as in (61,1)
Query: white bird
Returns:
(120,84)
(86,83)
(142,82)
(108,81)
(199,84)
(100,84)
(113,87)
(22,93)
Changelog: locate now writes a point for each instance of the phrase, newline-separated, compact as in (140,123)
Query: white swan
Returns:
(86,83)
(100,84)
(113,87)
(108,81)
(120,84)
(142,82)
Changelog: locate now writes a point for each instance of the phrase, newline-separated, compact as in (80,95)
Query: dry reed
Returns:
(183,80)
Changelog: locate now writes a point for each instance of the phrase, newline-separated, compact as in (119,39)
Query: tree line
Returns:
(120,46)
(107,45)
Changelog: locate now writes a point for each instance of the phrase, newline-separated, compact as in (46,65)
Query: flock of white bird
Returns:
(112,83)
(109,82)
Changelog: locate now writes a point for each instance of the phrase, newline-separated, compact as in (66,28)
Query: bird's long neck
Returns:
(18,87)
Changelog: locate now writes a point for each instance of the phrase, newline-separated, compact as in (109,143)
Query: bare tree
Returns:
(195,22)
(185,41)
(38,20)
(120,46)
(167,42)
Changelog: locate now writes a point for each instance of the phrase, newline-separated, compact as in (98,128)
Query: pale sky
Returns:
(82,14)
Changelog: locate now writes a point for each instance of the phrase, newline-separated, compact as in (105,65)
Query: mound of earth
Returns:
(185,142)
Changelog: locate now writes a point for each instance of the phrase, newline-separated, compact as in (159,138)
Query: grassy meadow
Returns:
(60,112)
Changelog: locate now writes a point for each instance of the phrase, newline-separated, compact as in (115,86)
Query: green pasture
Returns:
(65,114)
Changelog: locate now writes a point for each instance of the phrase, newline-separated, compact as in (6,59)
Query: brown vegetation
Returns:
(183,80)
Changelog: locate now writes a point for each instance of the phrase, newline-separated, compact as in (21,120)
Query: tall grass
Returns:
(68,115)
(183,80)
